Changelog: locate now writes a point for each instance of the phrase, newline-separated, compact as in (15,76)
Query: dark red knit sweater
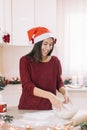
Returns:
(44,75)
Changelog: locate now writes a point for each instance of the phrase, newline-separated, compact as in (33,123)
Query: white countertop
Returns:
(22,117)
(18,87)
(83,89)
(37,118)
(76,88)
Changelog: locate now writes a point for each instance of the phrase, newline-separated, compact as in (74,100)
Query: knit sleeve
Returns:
(60,82)
(25,77)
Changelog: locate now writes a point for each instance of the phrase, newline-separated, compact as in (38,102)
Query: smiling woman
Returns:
(40,73)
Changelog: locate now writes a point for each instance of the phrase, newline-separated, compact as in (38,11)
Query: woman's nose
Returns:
(48,47)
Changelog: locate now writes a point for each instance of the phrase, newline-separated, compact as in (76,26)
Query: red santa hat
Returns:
(38,34)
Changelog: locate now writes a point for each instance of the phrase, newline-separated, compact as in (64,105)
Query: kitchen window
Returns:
(74,16)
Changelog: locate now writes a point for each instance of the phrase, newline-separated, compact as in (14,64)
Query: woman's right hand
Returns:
(55,101)
(50,96)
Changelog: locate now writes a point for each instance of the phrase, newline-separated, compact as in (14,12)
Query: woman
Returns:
(40,73)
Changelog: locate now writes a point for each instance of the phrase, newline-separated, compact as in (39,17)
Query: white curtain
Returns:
(74,16)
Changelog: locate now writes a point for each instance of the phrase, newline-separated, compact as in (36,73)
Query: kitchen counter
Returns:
(11,95)
(34,118)
(38,118)
(78,89)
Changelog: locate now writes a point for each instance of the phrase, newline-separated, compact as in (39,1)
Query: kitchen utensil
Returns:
(77,120)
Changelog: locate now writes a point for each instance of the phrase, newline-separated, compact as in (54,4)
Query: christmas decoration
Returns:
(67,81)
(6,118)
(6,38)
(3,107)
(2,83)
(14,80)
(83,126)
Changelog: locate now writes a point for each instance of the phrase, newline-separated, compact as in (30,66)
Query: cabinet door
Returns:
(0,61)
(22,20)
(45,12)
(1,19)
(5,18)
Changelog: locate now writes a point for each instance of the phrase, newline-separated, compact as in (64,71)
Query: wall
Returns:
(10,59)
(0,61)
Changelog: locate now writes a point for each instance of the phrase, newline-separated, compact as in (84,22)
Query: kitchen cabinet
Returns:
(46,14)
(1,18)
(27,14)
(5,18)
(22,20)
(0,62)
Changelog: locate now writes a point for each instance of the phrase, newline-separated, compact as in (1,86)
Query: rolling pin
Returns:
(77,120)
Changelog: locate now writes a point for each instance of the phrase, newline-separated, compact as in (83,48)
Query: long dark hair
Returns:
(35,53)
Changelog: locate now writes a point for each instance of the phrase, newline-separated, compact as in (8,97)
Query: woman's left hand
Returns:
(65,94)
(66,98)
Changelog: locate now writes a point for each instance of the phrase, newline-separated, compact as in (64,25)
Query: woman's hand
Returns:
(48,95)
(65,94)
(55,101)
(66,98)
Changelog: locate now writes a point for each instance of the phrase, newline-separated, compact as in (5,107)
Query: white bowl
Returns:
(67,112)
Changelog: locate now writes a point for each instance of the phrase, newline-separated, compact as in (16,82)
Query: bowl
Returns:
(67,112)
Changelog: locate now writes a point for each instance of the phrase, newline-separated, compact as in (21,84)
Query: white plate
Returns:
(74,86)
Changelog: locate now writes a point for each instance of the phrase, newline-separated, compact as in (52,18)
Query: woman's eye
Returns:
(51,45)
(45,43)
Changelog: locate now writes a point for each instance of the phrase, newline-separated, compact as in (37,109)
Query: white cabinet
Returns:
(27,14)
(18,16)
(5,18)
(0,62)
(22,20)
(45,14)
(1,19)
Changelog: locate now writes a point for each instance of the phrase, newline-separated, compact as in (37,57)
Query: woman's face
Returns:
(47,46)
